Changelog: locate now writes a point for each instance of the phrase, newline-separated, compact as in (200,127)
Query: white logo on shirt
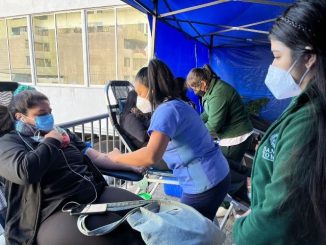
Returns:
(269,152)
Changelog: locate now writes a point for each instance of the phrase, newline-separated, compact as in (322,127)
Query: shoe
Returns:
(221,212)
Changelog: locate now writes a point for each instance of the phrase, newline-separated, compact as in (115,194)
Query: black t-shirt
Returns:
(135,127)
(63,183)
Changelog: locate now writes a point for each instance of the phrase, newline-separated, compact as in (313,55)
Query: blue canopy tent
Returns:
(230,35)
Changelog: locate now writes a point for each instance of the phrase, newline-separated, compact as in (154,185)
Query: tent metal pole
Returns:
(211,43)
(192,26)
(154,22)
(228,28)
(184,10)
(210,50)
(144,7)
(267,2)
(234,28)
(153,36)
(244,27)
(173,17)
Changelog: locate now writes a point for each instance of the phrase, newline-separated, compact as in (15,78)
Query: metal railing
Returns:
(103,137)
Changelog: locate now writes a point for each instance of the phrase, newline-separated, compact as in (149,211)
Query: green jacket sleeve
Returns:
(204,116)
(265,225)
(216,115)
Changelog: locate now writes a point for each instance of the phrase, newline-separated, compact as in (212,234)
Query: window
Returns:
(138,63)
(43,17)
(40,31)
(101,41)
(39,46)
(70,48)
(43,62)
(19,49)
(133,37)
(4,59)
(28,60)
(117,46)
(45,50)
(127,62)
(128,44)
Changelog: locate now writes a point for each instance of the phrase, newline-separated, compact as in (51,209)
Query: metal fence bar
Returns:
(83,132)
(92,133)
(113,144)
(107,135)
(100,136)
(83,121)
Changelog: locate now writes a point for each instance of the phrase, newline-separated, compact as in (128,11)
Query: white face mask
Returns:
(281,83)
(143,105)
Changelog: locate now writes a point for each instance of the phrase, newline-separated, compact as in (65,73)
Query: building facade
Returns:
(70,51)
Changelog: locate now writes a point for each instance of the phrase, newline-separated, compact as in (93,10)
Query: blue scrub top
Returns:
(195,159)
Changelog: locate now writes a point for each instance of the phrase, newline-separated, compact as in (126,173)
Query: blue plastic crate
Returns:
(172,190)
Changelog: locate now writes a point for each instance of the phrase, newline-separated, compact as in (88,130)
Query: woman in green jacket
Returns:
(288,203)
(224,113)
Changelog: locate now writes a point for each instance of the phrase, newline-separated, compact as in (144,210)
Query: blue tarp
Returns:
(246,69)
(217,34)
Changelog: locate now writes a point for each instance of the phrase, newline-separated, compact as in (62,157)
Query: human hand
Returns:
(244,214)
(55,135)
(139,170)
(114,154)
(257,145)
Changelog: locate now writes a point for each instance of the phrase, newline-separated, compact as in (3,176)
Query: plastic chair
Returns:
(116,94)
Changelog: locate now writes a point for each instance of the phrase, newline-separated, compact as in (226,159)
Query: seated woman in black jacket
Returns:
(45,169)
(134,122)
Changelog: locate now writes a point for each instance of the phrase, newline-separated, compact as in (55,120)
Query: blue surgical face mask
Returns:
(44,123)
(281,83)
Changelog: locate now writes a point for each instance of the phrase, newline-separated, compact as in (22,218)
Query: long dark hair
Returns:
(142,76)
(181,87)
(161,83)
(19,103)
(302,29)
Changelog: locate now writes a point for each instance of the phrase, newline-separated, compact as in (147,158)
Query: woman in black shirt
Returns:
(45,168)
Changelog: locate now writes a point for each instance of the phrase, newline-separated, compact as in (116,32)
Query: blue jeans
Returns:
(209,201)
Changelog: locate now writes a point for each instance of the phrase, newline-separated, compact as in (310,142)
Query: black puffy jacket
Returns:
(28,174)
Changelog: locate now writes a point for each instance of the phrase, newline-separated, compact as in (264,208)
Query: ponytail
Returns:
(209,72)
(196,75)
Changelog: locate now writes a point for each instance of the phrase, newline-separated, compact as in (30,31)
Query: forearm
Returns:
(103,161)
(215,123)
(140,158)
(261,227)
